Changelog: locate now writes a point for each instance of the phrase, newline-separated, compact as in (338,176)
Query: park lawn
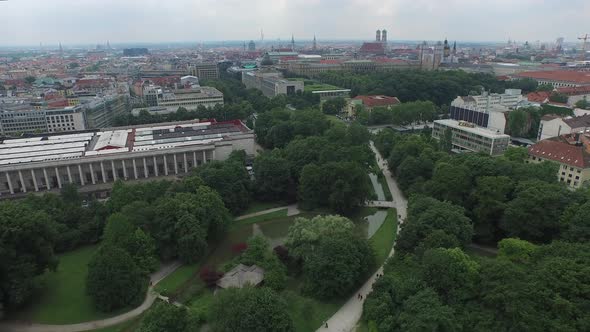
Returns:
(127,326)
(383,239)
(263,217)
(308,314)
(257,206)
(64,299)
(176,279)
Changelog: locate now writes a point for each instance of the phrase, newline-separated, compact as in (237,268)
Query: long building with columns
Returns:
(94,160)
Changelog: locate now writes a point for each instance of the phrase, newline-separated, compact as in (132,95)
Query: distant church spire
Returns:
(292,43)
(61,49)
(315,44)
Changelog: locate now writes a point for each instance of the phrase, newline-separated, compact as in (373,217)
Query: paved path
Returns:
(347,317)
(149,300)
(380,204)
(292,210)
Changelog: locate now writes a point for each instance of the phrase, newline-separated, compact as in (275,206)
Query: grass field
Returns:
(257,206)
(308,314)
(127,326)
(383,240)
(263,217)
(64,299)
(176,279)
(383,182)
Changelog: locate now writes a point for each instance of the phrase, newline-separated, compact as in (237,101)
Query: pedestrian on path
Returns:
(326,324)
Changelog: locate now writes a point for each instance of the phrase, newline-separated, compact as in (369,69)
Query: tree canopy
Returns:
(250,310)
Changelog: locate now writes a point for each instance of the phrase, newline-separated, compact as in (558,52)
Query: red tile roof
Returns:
(372,48)
(560,151)
(539,96)
(575,91)
(578,77)
(378,100)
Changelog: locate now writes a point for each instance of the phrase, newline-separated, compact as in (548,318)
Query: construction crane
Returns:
(585,39)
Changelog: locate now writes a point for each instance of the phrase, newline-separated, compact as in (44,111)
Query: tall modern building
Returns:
(94,160)
(204,70)
(251,46)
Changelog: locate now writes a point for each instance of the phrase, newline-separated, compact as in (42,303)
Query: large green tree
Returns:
(334,258)
(27,237)
(535,211)
(114,281)
(272,175)
(250,310)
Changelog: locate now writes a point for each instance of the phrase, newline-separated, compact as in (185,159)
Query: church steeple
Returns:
(315,45)
(292,43)
(454,48)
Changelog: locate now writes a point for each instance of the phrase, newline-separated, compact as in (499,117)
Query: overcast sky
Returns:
(28,22)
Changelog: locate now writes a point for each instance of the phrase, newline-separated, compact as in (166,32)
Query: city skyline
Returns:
(152,21)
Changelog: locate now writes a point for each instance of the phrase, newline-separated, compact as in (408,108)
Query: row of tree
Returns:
(432,284)
(440,87)
(502,196)
(404,114)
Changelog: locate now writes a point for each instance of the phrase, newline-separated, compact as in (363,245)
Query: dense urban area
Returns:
(300,185)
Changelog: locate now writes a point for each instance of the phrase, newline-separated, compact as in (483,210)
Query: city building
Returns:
(575,94)
(468,137)
(94,160)
(370,102)
(189,98)
(553,125)
(86,113)
(204,70)
(251,46)
(558,78)
(313,69)
(487,110)
(570,151)
(271,83)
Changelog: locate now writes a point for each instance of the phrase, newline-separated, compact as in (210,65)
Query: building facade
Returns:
(570,152)
(553,125)
(271,83)
(558,78)
(94,160)
(172,99)
(468,137)
(204,70)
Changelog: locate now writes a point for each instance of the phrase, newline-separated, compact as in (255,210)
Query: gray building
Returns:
(270,83)
(204,70)
(26,119)
(94,160)
(468,137)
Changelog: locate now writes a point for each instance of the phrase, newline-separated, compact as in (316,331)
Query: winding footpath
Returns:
(149,300)
(347,317)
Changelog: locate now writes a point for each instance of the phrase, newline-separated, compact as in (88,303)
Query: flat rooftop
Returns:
(485,132)
(128,140)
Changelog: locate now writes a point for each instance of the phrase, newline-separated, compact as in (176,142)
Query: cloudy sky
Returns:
(28,22)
